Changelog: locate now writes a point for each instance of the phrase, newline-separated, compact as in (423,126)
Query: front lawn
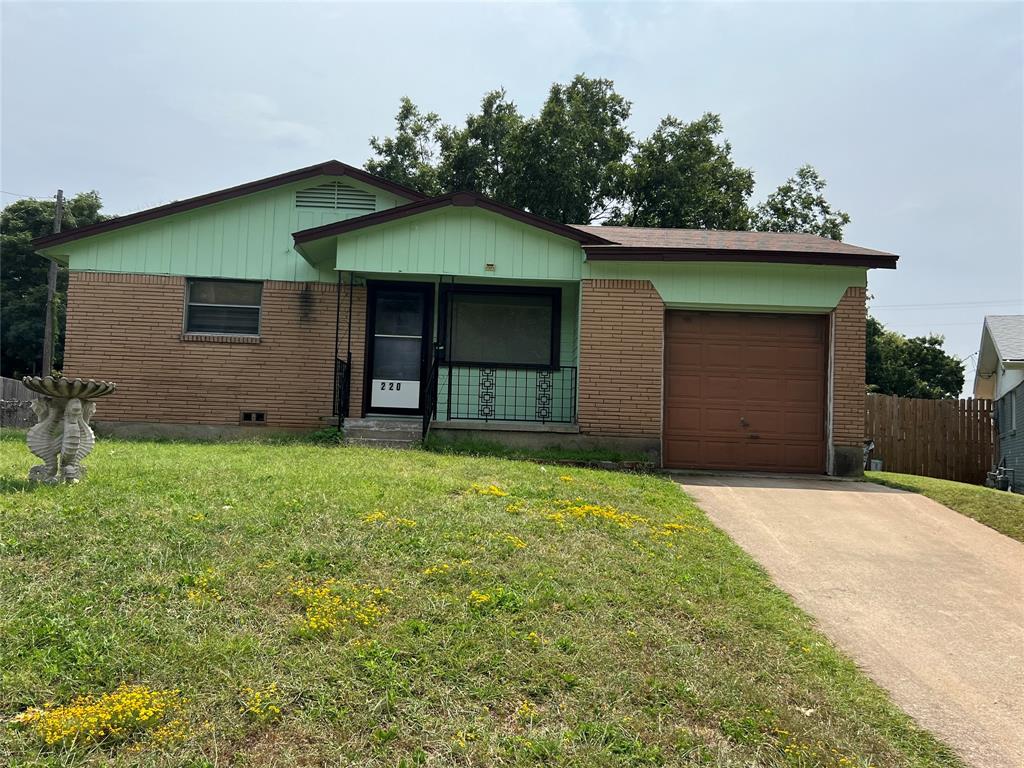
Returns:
(1001,510)
(290,604)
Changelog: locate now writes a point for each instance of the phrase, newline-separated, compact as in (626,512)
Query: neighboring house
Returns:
(1000,377)
(282,302)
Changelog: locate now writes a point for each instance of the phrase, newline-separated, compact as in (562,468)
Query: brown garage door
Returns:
(745,391)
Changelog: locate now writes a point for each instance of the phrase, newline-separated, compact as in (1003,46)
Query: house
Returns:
(328,293)
(1000,377)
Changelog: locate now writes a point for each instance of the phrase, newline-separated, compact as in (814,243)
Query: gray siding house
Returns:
(1000,377)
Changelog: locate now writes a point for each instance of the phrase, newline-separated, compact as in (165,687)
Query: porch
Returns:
(489,355)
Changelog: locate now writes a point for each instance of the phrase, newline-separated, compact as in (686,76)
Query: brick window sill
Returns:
(220,338)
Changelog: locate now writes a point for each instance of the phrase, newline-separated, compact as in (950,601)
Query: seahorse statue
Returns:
(45,438)
(78,439)
(63,433)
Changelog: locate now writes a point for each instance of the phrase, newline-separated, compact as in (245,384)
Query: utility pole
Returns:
(51,292)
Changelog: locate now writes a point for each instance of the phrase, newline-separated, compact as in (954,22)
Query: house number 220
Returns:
(391,386)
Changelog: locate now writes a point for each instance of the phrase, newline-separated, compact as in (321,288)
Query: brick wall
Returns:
(128,328)
(848,339)
(621,358)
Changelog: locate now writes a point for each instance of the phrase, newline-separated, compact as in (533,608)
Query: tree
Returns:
(799,205)
(683,176)
(569,162)
(23,279)
(476,157)
(914,367)
(577,162)
(410,157)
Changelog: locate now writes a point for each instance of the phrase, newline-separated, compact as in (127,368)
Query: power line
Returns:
(29,197)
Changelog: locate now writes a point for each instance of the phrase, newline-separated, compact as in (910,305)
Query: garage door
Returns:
(745,391)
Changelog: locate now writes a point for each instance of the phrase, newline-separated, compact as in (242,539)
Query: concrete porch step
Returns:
(383,431)
(377,443)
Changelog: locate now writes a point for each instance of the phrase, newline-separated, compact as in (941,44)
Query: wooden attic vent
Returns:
(335,196)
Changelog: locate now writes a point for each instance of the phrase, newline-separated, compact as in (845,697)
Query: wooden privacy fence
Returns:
(948,439)
(14,403)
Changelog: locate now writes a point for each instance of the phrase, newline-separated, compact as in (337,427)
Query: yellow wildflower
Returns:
(331,605)
(118,715)
(260,704)
(515,541)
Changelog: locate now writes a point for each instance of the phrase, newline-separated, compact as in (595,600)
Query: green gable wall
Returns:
(248,238)
(460,241)
(744,286)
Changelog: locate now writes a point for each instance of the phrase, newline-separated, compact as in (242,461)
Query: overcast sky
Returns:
(912,112)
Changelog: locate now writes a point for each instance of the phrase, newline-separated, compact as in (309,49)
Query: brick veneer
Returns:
(621,358)
(128,328)
(848,341)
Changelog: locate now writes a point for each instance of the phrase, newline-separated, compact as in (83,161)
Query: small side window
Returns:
(223,307)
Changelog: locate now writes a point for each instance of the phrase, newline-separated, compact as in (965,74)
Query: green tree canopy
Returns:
(23,277)
(683,175)
(567,163)
(799,205)
(577,162)
(910,367)
(477,157)
(410,156)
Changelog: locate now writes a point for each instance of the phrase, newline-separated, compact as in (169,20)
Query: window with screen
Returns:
(225,307)
(503,328)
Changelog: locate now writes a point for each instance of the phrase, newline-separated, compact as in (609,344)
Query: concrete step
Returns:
(402,429)
(380,443)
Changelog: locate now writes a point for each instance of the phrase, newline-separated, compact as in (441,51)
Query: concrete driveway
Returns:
(928,602)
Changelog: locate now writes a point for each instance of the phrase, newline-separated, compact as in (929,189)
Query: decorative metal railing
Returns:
(506,394)
(342,385)
(430,396)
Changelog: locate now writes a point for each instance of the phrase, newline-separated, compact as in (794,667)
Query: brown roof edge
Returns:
(330,168)
(455,199)
(628,253)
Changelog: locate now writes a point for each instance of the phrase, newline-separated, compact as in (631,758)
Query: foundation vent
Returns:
(253,418)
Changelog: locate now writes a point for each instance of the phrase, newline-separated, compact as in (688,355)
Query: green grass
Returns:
(475,447)
(606,641)
(1001,510)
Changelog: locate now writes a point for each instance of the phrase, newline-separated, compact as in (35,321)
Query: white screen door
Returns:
(398,322)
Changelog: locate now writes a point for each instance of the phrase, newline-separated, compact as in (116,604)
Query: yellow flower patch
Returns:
(260,704)
(203,589)
(443,568)
(514,541)
(389,521)
(488,490)
(126,712)
(479,598)
(577,510)
(332,605)
(526,710)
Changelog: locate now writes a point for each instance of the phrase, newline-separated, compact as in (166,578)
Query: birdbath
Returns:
(62,437)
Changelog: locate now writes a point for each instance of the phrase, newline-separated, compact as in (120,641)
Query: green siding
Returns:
(790,287)
(460,241)
(248,237)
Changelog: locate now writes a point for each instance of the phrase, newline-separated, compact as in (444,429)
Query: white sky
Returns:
(913,112)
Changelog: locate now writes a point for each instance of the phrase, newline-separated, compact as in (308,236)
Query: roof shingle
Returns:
(714,239)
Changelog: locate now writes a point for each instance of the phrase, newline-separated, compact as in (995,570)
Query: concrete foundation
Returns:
(147,430)
(848,461)
(567,436)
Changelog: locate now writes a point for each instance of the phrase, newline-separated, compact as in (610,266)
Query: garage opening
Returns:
(745,391)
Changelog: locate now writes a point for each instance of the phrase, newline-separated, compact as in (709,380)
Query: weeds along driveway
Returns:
(929,602)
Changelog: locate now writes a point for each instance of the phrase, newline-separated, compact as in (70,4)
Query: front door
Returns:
(399,331)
